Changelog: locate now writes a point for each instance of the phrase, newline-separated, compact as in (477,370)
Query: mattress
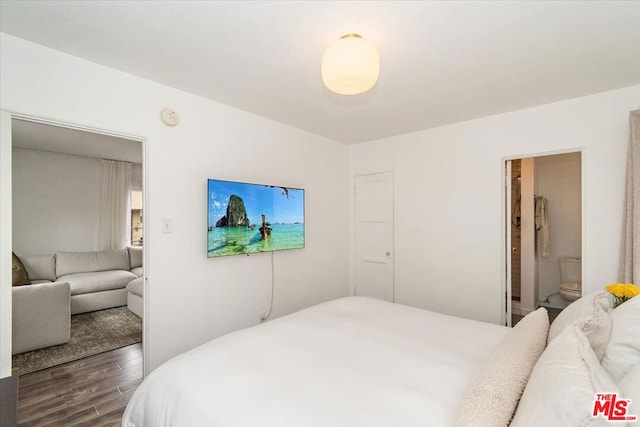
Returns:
(354,361)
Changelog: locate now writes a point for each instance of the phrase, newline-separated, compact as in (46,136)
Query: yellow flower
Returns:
(622,292)
(631,291)
(615,289)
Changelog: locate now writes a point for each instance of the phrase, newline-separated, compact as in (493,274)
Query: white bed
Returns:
(350,362)
(359,362)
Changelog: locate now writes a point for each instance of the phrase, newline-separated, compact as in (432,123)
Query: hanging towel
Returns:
(515,214)
(542,227)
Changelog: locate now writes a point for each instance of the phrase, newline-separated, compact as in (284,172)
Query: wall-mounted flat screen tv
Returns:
(247,218)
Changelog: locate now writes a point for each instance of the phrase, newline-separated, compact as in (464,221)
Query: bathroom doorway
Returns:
(543,229)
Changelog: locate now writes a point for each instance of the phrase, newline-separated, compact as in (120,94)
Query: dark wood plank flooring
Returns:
(93,391)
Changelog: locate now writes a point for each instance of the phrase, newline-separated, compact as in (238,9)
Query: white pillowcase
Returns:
(630,385)
(623,349)
(591,313)
(491,396)
(563,384)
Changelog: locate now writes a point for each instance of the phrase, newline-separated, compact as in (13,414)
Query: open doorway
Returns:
(82,294)
(543,233)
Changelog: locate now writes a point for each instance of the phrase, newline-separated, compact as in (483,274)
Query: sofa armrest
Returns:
(41,316)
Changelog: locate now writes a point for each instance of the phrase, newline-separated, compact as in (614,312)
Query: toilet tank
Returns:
(571,270)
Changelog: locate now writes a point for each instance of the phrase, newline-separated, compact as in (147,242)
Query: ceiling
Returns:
(441,62)
(56,139)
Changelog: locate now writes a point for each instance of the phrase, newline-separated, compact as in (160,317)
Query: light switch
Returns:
(167,225)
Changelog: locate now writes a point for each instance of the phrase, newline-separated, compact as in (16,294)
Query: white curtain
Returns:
(115,202)
(631,241)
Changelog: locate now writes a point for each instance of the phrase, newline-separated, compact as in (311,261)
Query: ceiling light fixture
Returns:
(350,65)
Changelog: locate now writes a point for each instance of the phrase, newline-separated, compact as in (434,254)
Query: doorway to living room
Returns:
(77,236)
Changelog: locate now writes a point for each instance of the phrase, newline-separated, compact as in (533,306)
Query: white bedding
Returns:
(350,362)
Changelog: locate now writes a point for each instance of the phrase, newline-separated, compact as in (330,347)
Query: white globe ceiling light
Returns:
(350,65)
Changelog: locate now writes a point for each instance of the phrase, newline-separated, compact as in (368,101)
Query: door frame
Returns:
(6,204)
(505,287)
(506,320)
(6,118)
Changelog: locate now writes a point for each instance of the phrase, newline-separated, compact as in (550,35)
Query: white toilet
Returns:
(571,278)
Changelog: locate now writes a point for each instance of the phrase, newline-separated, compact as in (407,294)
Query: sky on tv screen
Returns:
(258,199)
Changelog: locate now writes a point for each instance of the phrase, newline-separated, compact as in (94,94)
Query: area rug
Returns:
(91,333)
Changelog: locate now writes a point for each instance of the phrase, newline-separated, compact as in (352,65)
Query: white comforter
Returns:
(350,362)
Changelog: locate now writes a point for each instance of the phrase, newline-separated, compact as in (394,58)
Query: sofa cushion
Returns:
(138,271)
(41,268)
(41,316)
(19,275)
(84,283)
(86,262)
(136,286)
(135,256)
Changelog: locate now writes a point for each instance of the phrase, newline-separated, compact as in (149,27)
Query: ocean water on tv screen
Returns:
(242,240)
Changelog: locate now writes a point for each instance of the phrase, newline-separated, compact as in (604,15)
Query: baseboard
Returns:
(516,308)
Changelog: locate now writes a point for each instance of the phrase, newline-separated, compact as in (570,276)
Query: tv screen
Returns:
(247,218)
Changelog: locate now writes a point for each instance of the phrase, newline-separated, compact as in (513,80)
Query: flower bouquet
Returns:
(622,292)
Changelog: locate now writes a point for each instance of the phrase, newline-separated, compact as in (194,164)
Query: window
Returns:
(136,218)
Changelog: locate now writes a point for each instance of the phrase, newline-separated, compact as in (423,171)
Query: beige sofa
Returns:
(68,283)
(97,279)
(135,298)
(41,316)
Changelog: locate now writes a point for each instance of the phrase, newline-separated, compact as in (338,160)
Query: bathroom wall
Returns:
(558,178)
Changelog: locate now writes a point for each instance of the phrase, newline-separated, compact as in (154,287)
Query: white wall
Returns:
(449,192)
(558,178)
(192,298)
(55,202)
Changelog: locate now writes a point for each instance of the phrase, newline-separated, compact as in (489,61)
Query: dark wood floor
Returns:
(515,318)
(93,391)
(553,313)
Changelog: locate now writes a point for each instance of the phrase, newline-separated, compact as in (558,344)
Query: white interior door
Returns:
(374,236)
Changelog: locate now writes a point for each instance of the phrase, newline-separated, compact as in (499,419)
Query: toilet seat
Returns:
(571,291)
(571,286)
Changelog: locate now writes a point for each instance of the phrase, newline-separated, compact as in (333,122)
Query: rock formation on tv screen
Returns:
(236,214)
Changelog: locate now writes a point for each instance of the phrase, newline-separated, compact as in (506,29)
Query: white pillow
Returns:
(492,394)
(563,384)
(630,385)
(590,313)
(623,349)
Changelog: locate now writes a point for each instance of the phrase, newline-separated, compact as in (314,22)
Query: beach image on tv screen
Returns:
(248,218)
